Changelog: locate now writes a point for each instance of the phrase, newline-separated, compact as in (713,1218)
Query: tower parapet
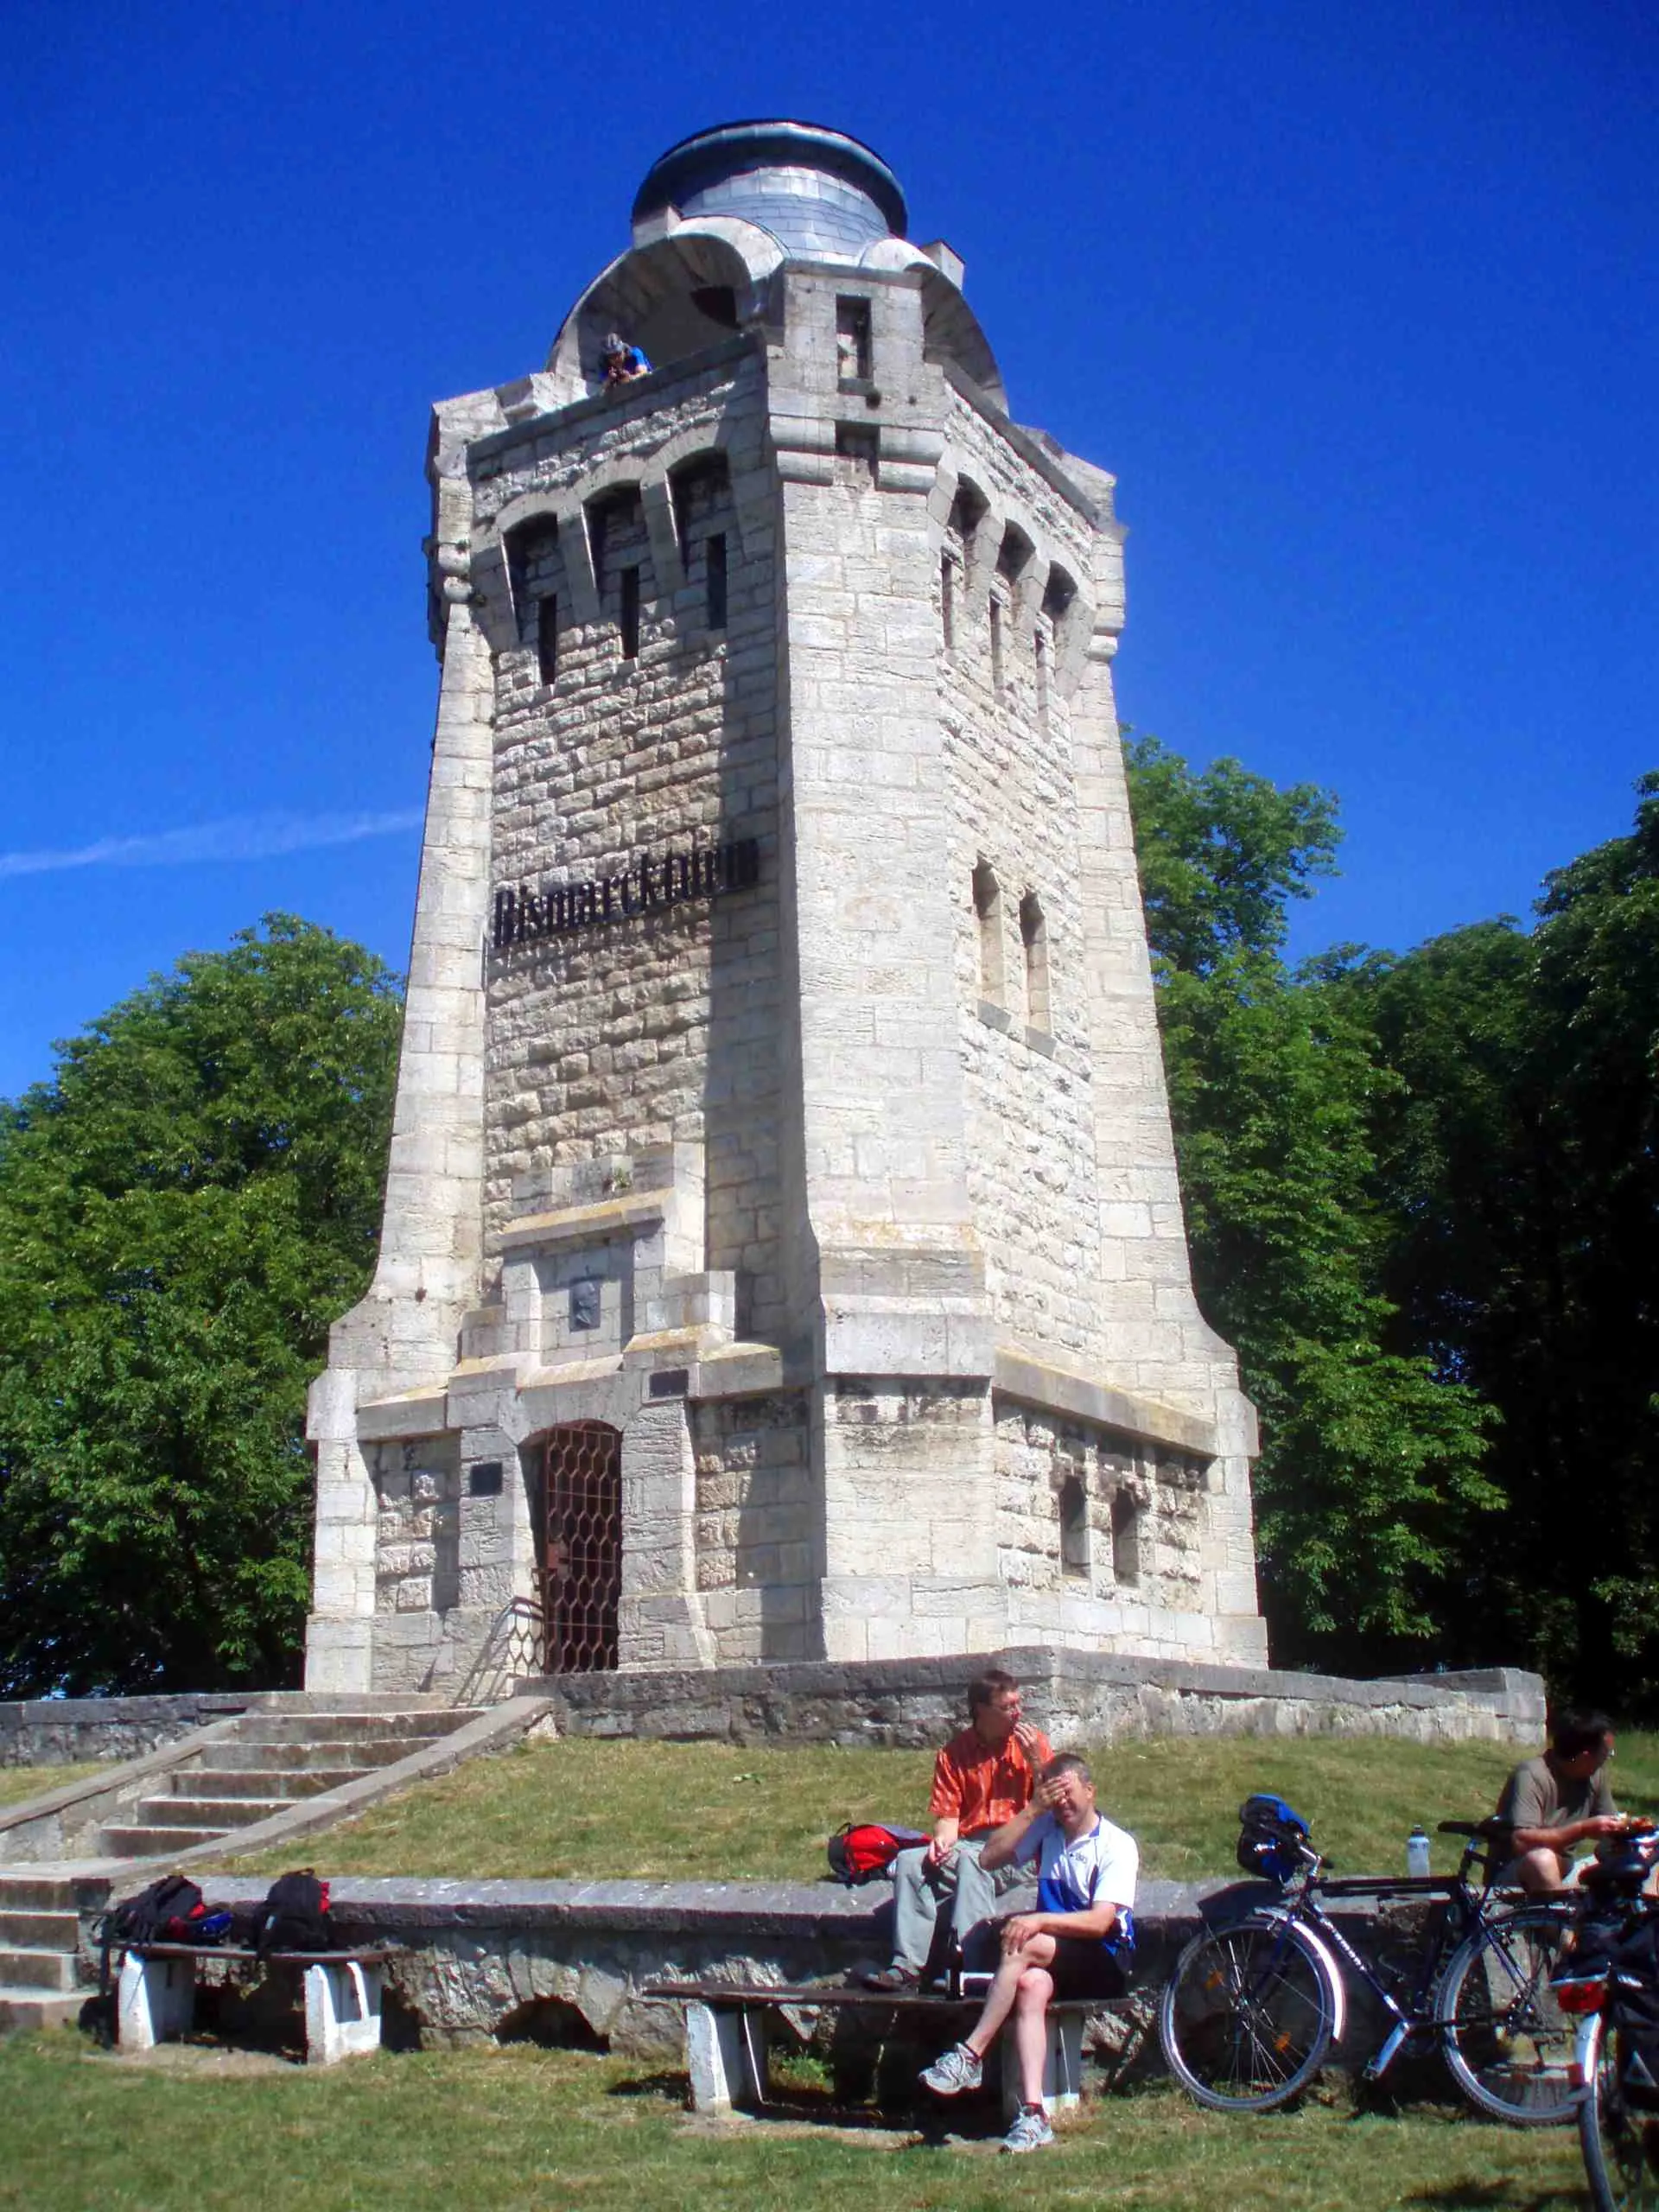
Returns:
(782,1253)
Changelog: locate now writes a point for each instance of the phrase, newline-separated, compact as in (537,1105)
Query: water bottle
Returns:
(1417,1852)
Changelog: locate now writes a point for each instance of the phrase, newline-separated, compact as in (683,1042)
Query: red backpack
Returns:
(864,1849)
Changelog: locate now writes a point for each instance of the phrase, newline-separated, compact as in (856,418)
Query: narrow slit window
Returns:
(996,643)
(1126,1539)
(1039,652)
(852,350)
(1034,935)
(948,602)
(547,637)
(714,557)
(1074,1527)
(629,617)
(987,912)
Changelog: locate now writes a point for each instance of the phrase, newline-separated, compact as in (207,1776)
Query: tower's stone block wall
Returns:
(783,1254)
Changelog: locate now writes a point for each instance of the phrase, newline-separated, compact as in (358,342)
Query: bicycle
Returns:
(1253,2006)
(1613,1991)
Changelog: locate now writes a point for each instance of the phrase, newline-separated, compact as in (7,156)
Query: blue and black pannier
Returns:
(1272,1837)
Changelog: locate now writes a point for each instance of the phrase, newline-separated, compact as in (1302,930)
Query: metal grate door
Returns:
(581,1546)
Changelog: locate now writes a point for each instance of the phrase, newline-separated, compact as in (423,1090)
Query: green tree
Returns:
(1369,1470)
(184,1209)
(1519,1167)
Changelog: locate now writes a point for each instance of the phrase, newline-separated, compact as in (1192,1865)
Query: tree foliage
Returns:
(1370,1473)
(184,1209)
(1519,1167)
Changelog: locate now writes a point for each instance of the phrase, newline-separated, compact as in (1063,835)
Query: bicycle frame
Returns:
(1306,1911)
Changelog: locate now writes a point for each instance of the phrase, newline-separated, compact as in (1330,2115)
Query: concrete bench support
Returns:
(726,2057)
(155,2001)
(726,2052)
(342,2011)
(1062,2064)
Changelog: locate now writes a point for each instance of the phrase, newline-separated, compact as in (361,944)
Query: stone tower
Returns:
(783,1256)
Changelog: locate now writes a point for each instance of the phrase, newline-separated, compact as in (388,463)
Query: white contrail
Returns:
(238,837)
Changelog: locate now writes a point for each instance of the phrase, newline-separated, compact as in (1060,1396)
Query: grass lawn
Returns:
(525,2130)
(708,1811)
(17,1782)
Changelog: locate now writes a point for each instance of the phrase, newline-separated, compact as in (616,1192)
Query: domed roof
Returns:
(817,190)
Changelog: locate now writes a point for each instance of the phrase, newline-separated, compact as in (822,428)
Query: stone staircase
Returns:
(43,1982)
(267,1762)
(271,1763)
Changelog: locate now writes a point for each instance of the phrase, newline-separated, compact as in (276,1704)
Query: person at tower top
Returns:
(1561,1799)
(982,1778)
(1079,1942)
(621,362)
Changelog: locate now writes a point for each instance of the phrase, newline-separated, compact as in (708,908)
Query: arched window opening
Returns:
(988,911)
(1014,555)
(1034,936)
(536,576)
(621,546)
(967,511)
(1057,595)
(1128,1515)
(1074,1527)
(701,495)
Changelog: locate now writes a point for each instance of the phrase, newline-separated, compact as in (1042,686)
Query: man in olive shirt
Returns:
(1560,1800)
(982,1778)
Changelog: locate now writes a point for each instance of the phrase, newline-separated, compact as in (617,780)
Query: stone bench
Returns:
(726,2043)
(156,1996)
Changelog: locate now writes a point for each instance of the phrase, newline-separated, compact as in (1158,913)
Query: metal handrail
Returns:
(513,1646)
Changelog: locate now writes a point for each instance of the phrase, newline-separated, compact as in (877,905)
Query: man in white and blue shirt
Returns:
(1079,1942)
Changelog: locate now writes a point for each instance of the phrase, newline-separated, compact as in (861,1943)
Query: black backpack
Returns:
(169,1911)
(294,1915)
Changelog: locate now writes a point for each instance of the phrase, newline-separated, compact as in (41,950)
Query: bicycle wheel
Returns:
(1247,2016)
(1620,2147)
(1508,2044)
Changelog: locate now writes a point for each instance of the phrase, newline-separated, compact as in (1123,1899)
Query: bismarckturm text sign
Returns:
(650,883)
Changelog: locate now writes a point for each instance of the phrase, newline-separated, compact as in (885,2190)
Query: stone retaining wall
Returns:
(566,1962)
(1077,1697)
(67,1732)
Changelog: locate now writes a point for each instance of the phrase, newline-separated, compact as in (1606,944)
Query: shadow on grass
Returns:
(665,2083)
(1469,2195)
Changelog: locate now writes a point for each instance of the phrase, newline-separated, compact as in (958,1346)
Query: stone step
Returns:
(50,1970)
(215,1814)
(347,1727)
(38,1931)
(152,1843)
(260,1781)
(23,2010)
(23,1893)
(345,1759)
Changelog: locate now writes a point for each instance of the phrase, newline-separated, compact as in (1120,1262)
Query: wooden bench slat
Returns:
(764,1994)
(366,1958)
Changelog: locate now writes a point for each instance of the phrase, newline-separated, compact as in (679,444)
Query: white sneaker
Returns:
(959,2068)
(1030,2130)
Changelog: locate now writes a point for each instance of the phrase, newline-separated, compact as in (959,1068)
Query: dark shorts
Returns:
(1087,1969)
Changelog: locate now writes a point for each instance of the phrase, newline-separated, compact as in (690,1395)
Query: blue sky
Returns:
(1357,299)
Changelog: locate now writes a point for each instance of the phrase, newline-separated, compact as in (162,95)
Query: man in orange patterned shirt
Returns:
(980,1779)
